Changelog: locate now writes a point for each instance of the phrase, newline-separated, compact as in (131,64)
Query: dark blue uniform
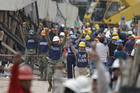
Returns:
(70,59)
(43,47)
(31,43)
(82,59)
(55,52)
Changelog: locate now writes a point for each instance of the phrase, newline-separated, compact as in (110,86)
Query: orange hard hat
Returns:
(43,33)
(25,73)
(137,38)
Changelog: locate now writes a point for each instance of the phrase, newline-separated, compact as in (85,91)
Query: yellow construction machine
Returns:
(110,11)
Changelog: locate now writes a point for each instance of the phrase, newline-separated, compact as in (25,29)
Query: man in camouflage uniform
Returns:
(31,45)
(43,59)
(55,54)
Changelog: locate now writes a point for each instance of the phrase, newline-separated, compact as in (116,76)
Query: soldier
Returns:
(31,45)
(55,53)
(43,52)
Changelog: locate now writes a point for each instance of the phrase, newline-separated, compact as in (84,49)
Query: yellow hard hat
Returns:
(127,33)
(84,32)
(40,25)
(24,24)
(117,37)
(82,44)
(114,37)
(87,24)
(87,37)
(89,32)
(97,26)
(114,29)
(115,34)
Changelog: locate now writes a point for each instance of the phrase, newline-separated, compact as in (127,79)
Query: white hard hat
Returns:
(84,84)
(62,34)
(105,30)
(71,32)
(95,75)
(71,84)
(130,32)
(62,25)
(116,64)
(89,28)
(55,38)
(93,28)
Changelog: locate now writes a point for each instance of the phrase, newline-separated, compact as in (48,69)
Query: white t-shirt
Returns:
(102,52)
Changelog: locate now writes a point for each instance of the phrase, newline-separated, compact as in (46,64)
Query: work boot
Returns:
(50,85)
(50,88)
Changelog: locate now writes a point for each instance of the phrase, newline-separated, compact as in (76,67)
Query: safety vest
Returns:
(55,52)
(43,46)
(31,44)
(82,59)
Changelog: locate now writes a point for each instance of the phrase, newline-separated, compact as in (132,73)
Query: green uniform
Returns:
(51,62)
(30,59)
(43,61)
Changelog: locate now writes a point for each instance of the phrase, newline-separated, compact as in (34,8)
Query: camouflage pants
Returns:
(51,69)
(30,60)
(43,61)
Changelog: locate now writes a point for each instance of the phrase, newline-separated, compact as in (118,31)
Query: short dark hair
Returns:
(120,47)
(101,39)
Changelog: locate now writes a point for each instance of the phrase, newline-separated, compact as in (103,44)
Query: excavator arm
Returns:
(131,10)
(128,3)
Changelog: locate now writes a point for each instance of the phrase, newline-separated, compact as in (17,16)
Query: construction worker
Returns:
(62,34)
(71,57)
(55,53)
(21,77)
(76,86)
(82,59)
(112,47)
(31,46)
(120,53)
(129,45)
(43,52)
(102,50)
(88,38)
(71,60)
(123,25)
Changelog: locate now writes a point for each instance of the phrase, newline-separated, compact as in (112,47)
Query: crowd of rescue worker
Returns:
(81,59)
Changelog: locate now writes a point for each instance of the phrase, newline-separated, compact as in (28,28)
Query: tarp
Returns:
(14,5)
(47,9)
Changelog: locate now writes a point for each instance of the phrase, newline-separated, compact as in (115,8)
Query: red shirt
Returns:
(14,86)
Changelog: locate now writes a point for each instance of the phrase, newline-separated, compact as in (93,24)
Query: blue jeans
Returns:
(91,66)
(70,64)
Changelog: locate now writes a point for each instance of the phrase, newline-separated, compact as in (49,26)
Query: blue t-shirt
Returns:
(120,54)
